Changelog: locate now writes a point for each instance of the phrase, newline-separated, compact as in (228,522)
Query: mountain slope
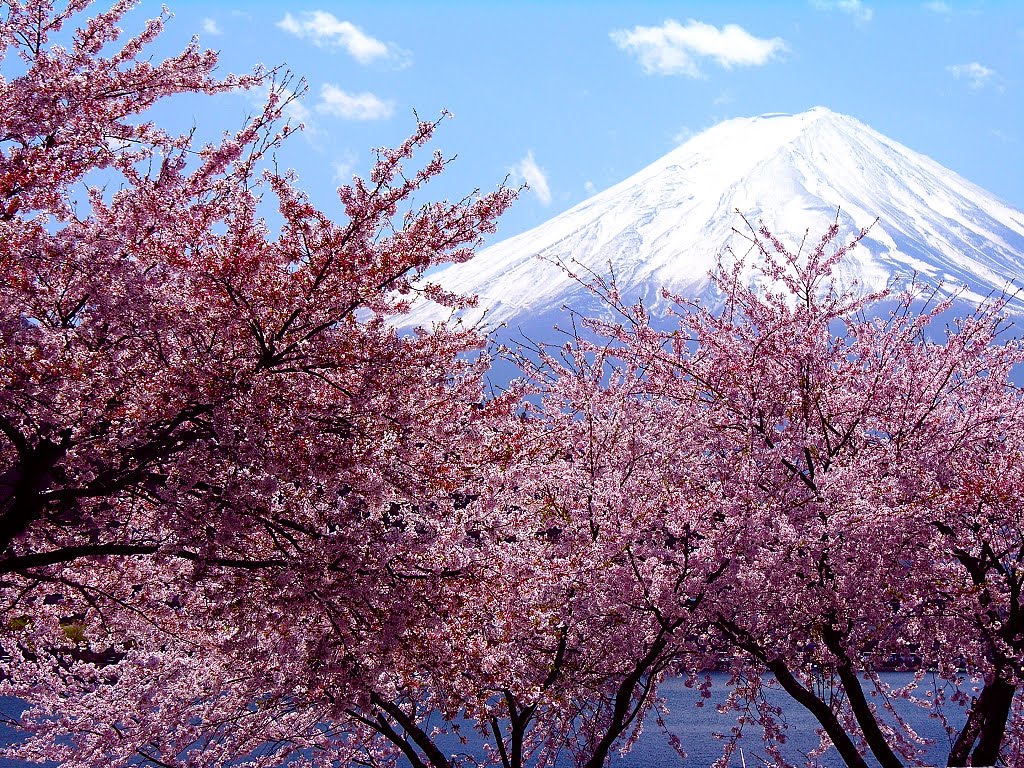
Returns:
(665,225)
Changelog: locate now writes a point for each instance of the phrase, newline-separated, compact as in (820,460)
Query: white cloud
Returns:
(855,8)
(977,75)
(297,112)
(674,48)
(211,27)
(683,135)
(353,106)
(344,167)
(588,187)
(528,170)
(938,6)
(325,29)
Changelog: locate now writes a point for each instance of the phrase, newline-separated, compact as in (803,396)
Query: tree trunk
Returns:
(858,702)
(986,724)
(822,713)
(625,709)
(19,492)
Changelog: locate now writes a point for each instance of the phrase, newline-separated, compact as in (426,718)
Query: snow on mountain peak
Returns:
(665,225)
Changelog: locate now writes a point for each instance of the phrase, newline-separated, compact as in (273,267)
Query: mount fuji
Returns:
(665,226)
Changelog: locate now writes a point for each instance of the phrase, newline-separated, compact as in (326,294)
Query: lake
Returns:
(696,729)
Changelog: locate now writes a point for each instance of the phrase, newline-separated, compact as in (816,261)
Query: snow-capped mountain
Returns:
(665,225)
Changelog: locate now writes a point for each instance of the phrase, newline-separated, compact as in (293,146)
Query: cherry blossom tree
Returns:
(226,482)
(858,465)
(554,650)
(979,525)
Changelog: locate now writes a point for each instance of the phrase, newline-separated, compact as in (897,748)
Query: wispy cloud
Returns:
(326,30)
(353,106)
(683,135)
(854,8)
(211,27)
(298,112)
(977,75)
(675,49)
(344,167)
(939,6)
(528,171)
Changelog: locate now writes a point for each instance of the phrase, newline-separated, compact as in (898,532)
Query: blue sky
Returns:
(575,96)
